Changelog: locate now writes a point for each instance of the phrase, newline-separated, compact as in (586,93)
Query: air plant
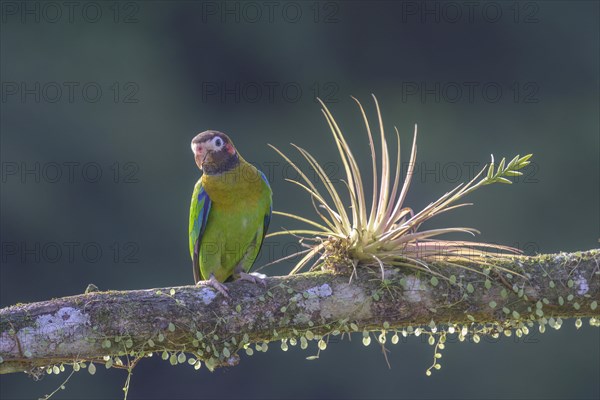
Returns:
(387,232)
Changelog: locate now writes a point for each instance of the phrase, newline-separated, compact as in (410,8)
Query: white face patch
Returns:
(215,144)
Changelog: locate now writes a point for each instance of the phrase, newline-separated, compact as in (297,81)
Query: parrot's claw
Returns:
(254,277)
(215,284)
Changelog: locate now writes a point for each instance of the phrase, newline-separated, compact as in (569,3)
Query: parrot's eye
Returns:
(218,142)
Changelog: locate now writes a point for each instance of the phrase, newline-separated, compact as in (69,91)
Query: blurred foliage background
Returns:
(101,99)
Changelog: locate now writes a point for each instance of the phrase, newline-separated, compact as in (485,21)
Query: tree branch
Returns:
(308,306)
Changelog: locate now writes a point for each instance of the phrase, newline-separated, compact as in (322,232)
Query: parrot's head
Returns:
(214,152)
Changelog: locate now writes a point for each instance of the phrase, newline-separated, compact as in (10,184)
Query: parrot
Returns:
(229,214)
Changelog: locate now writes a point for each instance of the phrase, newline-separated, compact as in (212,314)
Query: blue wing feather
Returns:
(199,210)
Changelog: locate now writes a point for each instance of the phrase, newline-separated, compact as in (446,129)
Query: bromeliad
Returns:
(387,232)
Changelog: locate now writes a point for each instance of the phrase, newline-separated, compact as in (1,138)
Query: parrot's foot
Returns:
(215,284)
(254,277)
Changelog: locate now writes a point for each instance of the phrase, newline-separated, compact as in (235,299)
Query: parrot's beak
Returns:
(200,154)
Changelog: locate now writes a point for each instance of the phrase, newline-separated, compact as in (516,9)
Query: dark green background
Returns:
(543,55)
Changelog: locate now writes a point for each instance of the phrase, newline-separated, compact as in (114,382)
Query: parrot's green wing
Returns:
(254,249)
(199,210)
(267,218)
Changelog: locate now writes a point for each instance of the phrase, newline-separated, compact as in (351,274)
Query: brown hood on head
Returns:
(214,152)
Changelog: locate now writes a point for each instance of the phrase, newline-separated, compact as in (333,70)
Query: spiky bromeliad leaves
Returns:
(387,233)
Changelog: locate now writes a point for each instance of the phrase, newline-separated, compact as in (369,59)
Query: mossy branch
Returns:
(103,327)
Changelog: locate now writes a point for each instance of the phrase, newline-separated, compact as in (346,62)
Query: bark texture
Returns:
(309,306)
